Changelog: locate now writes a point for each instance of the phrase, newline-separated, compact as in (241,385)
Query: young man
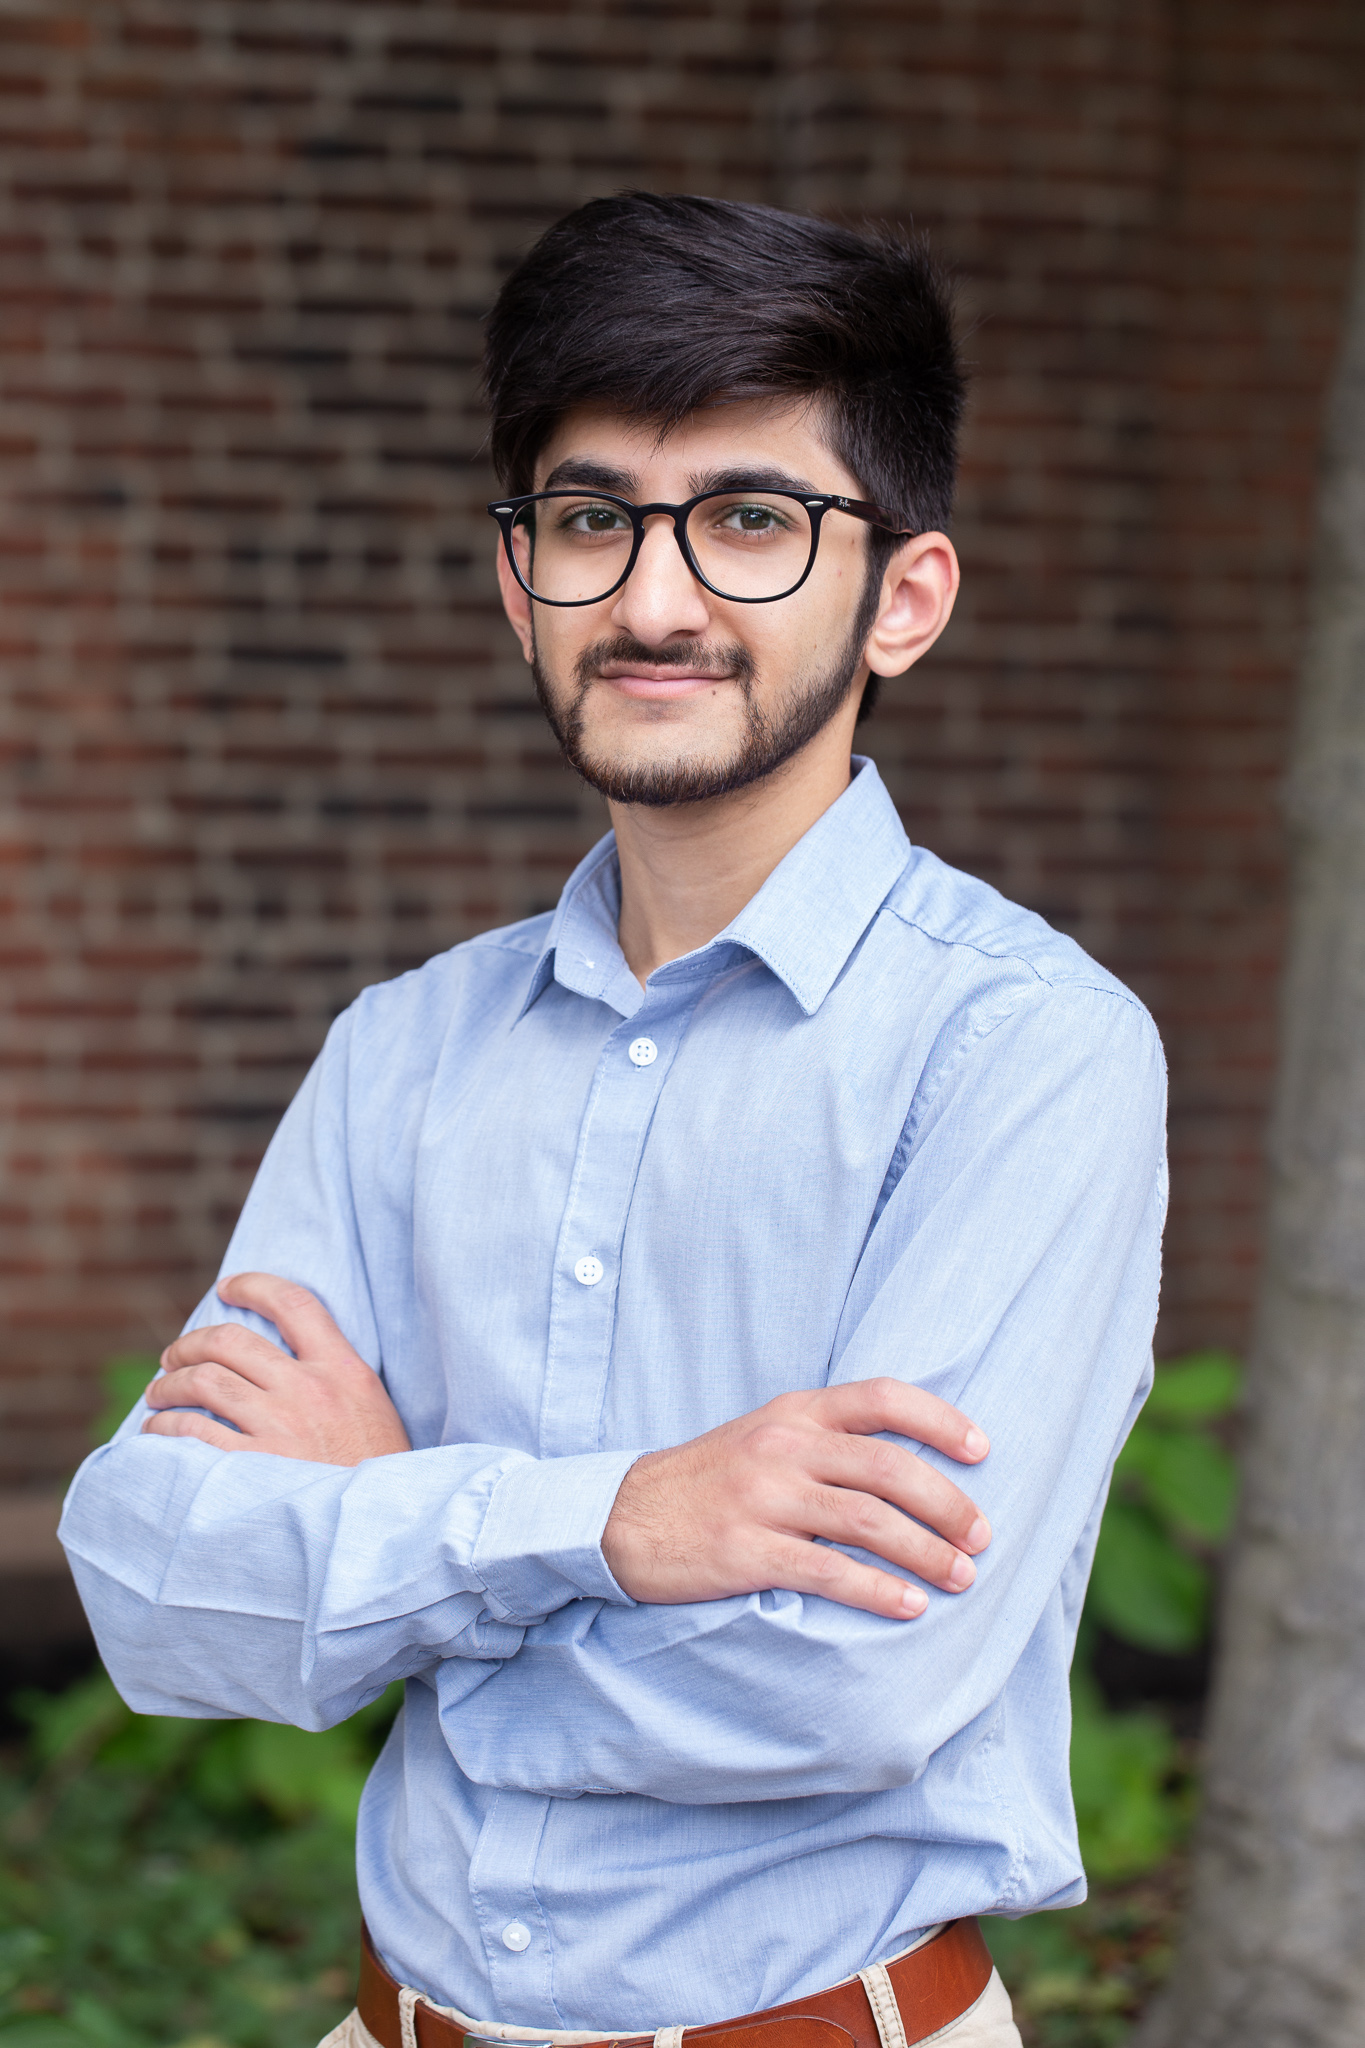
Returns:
(623,1254)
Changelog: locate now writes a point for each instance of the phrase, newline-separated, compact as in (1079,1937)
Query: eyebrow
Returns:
(578,470)
(749,477)
(593,476)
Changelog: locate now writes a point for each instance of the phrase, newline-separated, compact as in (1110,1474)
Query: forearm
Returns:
(243,1583)
(773,1695)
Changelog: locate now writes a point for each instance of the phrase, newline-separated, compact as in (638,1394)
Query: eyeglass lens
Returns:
(747,544)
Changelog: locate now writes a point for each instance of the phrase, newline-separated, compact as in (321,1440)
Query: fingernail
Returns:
(978,1536)
(961,1573)
(913,1601)
(975,1444)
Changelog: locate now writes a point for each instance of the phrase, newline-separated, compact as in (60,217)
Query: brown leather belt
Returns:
(934,1985)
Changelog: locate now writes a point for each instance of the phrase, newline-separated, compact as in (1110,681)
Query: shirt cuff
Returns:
(541,1541)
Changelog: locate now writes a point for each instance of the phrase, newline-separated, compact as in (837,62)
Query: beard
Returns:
(767,741)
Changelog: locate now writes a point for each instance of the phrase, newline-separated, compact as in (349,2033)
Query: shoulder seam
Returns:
(1109,986)
(982,952)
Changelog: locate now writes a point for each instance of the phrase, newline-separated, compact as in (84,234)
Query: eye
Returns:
(754,518)
(593,519)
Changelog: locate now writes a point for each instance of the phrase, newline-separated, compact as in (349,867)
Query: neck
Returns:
(687,870)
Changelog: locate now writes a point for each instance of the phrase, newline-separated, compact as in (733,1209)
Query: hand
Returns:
(736,1510)
(324,1404)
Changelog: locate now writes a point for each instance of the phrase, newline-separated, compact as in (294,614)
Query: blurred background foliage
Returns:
(191,1883)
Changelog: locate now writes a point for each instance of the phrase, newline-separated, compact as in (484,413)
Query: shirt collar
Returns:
(803,924)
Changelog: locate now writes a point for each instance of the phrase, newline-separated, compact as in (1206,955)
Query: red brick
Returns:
(267,736)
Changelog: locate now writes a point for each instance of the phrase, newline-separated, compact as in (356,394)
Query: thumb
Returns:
(298,1315)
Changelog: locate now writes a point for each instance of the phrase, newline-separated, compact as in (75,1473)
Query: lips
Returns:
(670,683)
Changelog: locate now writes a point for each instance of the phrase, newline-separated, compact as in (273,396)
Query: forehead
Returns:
(729,434)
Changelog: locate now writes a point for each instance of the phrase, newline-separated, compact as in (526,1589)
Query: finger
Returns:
(840,1516)
(208,1386)
(175,1422)
(297,1314)
(870,1405)
(252,1357)
(812,1568)
(897,1475)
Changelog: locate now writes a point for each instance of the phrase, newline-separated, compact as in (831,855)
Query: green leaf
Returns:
(1191,1482)
(123,1379)
(98,2025)
(76,1722)
(1121,1770)
(1144,1587)
(43,2030)
(147,1915)
(20,1947)
(296,1772)
(154,1746)
(1200,1388)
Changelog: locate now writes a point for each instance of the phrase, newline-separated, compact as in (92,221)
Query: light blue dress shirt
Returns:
(886,1122)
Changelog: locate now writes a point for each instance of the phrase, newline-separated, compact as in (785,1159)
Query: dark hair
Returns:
(652,304)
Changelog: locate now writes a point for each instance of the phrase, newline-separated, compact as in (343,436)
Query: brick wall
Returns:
(265,738)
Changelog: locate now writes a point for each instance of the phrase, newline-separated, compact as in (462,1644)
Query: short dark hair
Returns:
(653,304)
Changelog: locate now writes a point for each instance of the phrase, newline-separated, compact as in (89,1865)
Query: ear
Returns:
(515,603)
(918,593)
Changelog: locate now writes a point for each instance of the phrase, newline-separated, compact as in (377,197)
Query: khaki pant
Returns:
(987,2024)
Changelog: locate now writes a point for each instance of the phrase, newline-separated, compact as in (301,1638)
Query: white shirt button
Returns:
(587,1272)
(644,1051)
(516,1937)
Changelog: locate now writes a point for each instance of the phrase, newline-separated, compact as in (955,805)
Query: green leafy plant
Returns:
(123,1379)
(183,1882)
(1170,1508)
(1172,1503)
(180,1882)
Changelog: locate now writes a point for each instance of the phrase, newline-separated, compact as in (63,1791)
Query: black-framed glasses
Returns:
(749,545)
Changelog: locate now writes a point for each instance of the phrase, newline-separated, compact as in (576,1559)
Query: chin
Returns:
(616,763)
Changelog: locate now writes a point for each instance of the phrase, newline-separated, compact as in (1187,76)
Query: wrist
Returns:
(620,1537)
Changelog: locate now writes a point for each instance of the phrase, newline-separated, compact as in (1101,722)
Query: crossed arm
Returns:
(1013,1270)
(734,1511)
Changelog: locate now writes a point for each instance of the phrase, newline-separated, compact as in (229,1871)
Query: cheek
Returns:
(843,558)
(558,638)
(796,642)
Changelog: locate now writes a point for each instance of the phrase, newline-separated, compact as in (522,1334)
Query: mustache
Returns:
(732,661)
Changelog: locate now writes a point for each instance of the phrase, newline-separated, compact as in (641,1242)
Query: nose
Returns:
(661,596)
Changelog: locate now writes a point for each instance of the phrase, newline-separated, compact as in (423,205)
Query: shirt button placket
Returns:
(518,1939)
(630,1072)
